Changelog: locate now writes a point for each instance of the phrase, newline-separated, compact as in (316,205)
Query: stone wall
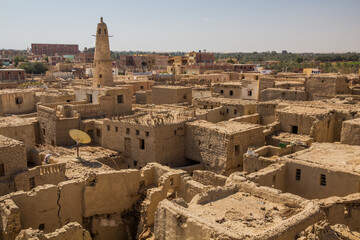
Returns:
(12,161)
(284,94)
(350,132)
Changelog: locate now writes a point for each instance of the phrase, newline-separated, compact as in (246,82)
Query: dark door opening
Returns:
(294,129)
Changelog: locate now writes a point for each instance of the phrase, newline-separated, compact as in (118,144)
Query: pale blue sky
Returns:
(186,25)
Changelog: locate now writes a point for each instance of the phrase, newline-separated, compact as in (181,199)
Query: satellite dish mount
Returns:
(79,137)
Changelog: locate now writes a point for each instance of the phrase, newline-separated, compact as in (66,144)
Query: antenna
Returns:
(79,137)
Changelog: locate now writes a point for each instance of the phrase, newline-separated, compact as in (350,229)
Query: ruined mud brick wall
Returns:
(219,151)
(17,102)
(185,221)
(343,210)
(71,230)
(316,122)
(266,112)
(10,223)
(264,83)
(12,161)
(350,132)
(99,201)
(163,144)
(285,94)
(171,94)
(326,86)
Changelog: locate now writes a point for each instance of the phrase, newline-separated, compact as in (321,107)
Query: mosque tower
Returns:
(102,60)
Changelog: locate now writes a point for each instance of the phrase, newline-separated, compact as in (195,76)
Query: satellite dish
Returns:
(79,137)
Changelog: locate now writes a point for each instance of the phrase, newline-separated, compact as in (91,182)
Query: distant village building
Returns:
(53,49)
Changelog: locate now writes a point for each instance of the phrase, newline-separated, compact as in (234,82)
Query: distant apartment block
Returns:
(52,49)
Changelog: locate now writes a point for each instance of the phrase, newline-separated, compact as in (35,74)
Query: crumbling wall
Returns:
(40,175)
(71,231)
(209,178)
(343,210)
(350,132)
(266,112)
(10,223)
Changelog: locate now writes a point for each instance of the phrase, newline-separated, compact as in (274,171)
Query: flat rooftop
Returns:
(8,142)
(304,110)
(158,116)
(290,137)
(333,156)
(14,121)
(226,127)
(243,213)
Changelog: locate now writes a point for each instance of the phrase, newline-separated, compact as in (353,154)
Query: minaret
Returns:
(102,60)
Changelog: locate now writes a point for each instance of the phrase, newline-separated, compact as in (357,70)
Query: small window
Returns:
(174,132)
(100,75)
(249,93)
(116,129)
(99,31)
(171,181)
(142,143)
(235,111)
(322,179)
(237,149)
(141,87)
(98,132)
(68,100)
(18,100)
(210,146)
(298,174)
(282,94)
(120,99)
(2,170)
(221,92)
(273,181)
(147,134)
(185,96)
(137,132)
(199,142)
(127,130)
(43,131)
(108,127)
(231,92)
(105,31)
(135,163)
(90,98)
(227,110)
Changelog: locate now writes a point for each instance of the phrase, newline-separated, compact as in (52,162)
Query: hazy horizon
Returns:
(228,26)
